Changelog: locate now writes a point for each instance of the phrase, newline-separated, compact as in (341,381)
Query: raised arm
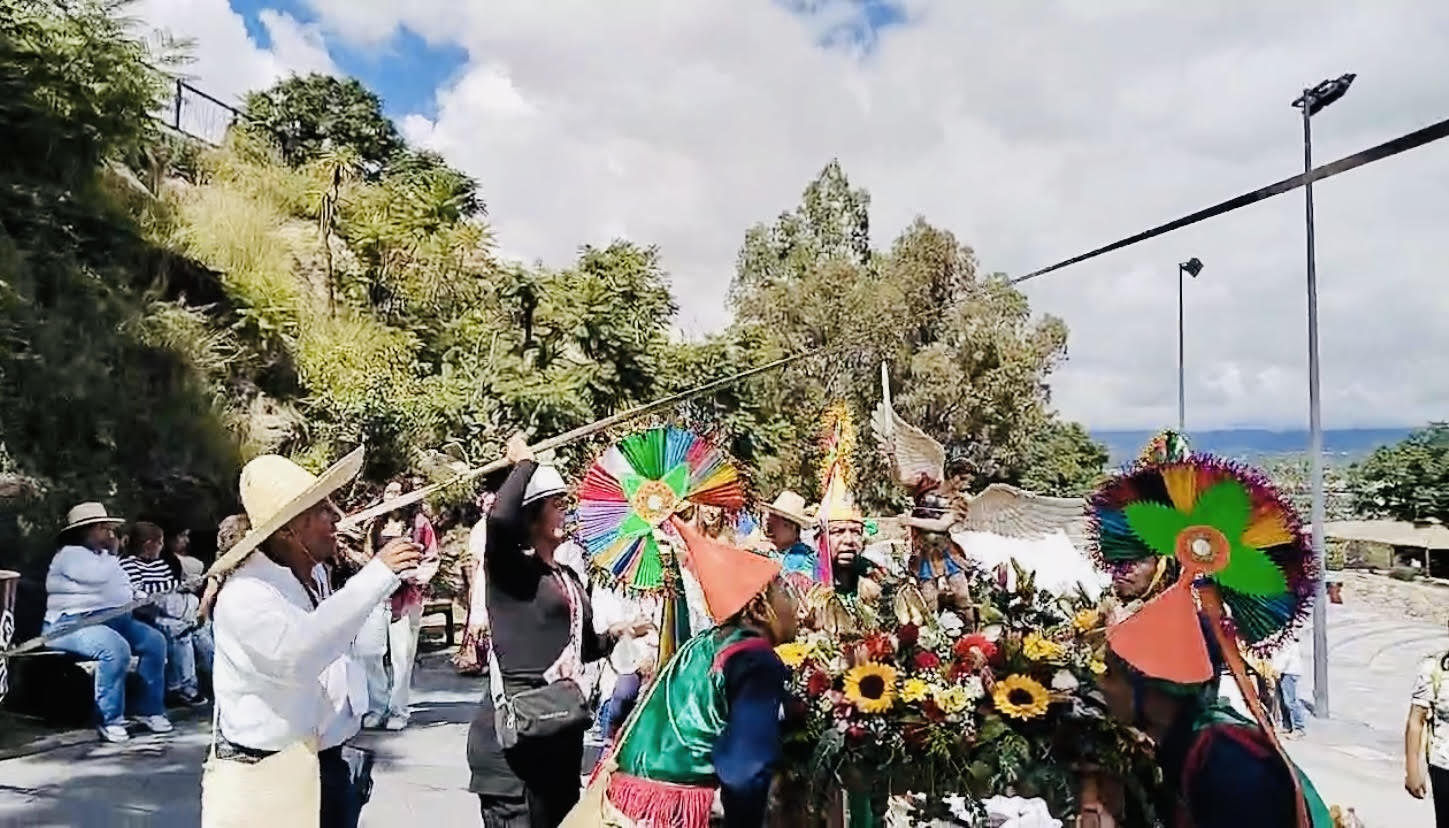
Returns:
(507,536)
(284,640)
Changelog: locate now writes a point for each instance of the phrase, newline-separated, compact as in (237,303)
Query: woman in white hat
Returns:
(288,691)
(86,578)
(525,767)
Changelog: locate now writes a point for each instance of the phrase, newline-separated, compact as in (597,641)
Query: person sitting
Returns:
(188,641)
(85,579)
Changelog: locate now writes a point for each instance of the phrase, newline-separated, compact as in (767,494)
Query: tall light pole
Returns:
(1192,267)
(1311,103)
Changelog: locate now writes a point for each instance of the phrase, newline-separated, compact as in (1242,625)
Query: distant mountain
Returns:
(1345,445)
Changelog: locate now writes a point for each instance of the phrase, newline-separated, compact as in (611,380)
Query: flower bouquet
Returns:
(947,712)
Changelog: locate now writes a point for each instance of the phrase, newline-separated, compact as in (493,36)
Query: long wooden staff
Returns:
(568,437)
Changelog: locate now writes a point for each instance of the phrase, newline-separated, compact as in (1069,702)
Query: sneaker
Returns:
(155,724)
(396,722)
(372,721)
(113,733)
(177,698)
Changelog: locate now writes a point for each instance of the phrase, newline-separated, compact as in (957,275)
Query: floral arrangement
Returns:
(946,709)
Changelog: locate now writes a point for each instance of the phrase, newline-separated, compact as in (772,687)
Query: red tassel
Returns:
(661,803)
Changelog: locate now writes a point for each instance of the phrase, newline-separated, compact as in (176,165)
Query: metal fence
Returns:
(198,115)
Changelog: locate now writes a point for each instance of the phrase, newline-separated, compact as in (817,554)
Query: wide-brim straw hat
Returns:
(791,507)
(274,490)
(89,514)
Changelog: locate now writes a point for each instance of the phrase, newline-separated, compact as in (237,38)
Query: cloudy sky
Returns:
(1034,131)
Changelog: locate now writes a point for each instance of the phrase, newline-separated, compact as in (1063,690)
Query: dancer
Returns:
(711,719)
(526,743)
(288,691)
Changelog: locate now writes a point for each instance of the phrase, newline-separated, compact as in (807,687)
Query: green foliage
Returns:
(314,114)
(1064,461)
(1408,480)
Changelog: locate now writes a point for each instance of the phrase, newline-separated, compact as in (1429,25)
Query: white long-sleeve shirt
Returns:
(284,670)
(80,580)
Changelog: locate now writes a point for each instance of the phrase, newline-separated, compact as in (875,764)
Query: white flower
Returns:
(930,638)
(1064,681)
(951,623)
(973,687)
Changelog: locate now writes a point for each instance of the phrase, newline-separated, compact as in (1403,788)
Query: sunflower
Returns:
(1098,666)
(1020,697)
(1040,648)
(915,689)
(871,687)
(793,653)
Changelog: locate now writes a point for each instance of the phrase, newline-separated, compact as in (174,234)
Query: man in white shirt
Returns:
(286,682)
(1288,663)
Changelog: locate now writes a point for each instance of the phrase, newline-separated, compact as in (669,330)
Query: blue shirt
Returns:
(799,558)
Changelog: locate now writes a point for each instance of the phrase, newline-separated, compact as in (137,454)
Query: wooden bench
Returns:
(55,686)
(443,607)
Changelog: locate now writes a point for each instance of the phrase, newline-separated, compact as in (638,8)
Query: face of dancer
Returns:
(1132,580)
(847,538)
(711,517)
(781,532)
(315,531)
(552,515)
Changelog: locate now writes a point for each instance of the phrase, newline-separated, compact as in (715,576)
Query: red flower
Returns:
(932,710)
(975,642)
(796,710)
(960,668)
(817,683)
(908,635)
(926,660)
(879,646)
(855,733)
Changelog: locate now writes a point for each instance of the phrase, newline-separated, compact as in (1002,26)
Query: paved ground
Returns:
(1355,758)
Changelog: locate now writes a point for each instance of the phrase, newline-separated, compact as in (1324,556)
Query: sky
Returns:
(1033,131)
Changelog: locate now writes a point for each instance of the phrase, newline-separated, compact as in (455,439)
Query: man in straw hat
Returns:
(784,522)
(85,578)
(711,718)
(288,693)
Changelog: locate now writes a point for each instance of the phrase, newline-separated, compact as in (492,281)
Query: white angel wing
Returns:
(1015,513)
(918,462)
(1060,567)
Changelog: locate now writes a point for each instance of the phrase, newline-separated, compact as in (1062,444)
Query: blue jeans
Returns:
(1292,707)
(111,645)
(188,649)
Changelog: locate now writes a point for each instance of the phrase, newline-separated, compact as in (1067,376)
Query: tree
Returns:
(313,114)
(1064,461)
(1408,480)
(968,361)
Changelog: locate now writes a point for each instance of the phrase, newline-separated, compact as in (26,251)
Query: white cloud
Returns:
(1033,131)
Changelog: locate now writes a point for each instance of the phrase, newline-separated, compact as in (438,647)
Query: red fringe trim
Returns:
(661,804)
(743,645)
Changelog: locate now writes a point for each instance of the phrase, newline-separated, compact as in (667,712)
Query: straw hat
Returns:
(89,514)
(789,506)
(274,490)
(729,578)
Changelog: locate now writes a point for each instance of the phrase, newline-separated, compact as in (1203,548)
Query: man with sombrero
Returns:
(785,520)
(288,691)
(86,578)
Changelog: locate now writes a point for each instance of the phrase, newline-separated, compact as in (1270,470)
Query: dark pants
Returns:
(535,809)
(1439,789)
(341,801)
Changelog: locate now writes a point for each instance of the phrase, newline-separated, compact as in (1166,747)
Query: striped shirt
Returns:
(149,576)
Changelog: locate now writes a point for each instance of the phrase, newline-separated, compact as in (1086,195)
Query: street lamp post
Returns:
(1192,267)
(1312,102)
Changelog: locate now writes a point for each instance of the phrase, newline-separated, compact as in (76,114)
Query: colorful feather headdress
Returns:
(1166,446)
(837,471)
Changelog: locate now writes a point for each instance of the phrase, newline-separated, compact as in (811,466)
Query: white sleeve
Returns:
(296,644)
(78,565)
(1423,694)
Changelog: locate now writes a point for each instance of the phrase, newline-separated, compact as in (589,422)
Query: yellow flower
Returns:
(794,653)
(1098,666)
(915,690)
(1039,648)
(871,687)
(953,699)
(1086,620)
(1020,697)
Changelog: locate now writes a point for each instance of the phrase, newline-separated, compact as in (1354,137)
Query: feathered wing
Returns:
(918,462)
(1015,513)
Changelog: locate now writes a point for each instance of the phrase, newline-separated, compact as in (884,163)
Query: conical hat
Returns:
(729,577)
(837,503)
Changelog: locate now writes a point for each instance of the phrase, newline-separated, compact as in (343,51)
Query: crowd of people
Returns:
(308,634)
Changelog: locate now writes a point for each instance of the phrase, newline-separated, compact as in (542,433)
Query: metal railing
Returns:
(198,115)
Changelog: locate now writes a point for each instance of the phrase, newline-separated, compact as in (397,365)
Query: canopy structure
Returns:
(1421,535)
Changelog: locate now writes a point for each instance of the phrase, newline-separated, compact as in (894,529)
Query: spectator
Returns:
(1426,737)
(86,579)
(188,641)
(178,546)
(1288,663)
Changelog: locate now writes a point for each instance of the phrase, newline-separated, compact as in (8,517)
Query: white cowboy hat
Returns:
(789,506)
(545,482)
(274,490)
(89,514)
